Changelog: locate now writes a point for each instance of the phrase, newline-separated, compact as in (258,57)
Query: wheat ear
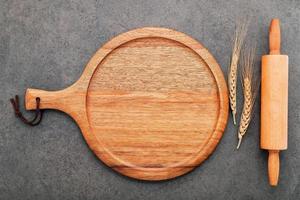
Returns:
(250,89)
(239,37)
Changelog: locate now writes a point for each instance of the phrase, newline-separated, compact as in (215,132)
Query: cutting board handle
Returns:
(59,100)
(49,99)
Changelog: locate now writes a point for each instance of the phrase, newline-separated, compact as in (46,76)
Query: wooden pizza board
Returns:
(152,103)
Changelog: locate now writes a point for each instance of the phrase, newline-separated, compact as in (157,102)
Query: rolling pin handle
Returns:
(274,37)
(273,167)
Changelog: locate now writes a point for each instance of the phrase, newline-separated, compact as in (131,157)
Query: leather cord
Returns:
(38,112)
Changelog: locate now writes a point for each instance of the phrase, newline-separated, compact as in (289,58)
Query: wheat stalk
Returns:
(239,37)
(250,89)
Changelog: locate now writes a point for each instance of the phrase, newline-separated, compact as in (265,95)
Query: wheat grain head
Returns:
(239,37)
(250,88)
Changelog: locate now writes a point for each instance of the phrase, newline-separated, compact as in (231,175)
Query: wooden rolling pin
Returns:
(274,102)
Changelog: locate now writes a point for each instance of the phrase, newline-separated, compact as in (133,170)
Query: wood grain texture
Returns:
(274,102)
(152,103)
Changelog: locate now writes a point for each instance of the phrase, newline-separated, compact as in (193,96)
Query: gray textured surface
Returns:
(46,44)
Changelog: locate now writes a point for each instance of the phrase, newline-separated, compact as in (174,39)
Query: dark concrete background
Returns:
(46,44)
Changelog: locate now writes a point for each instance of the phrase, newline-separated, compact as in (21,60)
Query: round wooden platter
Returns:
(152,103)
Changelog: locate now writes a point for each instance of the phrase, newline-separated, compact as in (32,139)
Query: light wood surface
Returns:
(274,37)
(152,103)
(274,103)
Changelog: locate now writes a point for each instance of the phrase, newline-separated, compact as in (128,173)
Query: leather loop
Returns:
(38,112)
